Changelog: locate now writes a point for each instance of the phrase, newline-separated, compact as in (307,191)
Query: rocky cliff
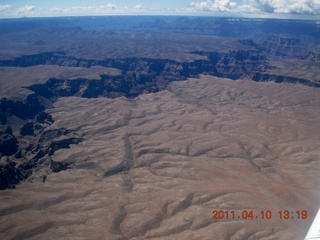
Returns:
(266,77)
(276,46)
(138,76)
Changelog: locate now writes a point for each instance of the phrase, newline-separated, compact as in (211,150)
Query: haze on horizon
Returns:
(298,9)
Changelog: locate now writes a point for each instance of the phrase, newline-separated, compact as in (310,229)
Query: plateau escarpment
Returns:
(111,78)
(283,47)
(31,93)
(128,77)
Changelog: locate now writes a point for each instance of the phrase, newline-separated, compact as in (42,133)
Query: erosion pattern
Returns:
(130,141)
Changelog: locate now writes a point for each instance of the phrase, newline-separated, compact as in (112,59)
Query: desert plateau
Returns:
(145,127)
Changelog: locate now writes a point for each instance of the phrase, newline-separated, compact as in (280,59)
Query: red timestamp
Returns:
(259,214)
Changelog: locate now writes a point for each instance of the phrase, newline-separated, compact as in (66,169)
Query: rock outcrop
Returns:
(138,76)
(9,174)
(8,142)
(276,46)
(266,77)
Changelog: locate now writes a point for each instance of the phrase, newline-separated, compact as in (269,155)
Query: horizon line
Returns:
(189,14)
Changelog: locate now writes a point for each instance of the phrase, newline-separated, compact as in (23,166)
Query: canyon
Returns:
(142,133)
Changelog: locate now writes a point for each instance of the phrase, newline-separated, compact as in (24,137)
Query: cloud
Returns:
(56,10)
(110,6)
(138,7)
(216,6)
(287,6)
(25,9)
(257,8)
(260,6)
(4,8)
(91,9)
(8,11)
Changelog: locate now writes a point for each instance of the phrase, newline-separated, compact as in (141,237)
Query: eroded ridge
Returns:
(37,68)
(157,166)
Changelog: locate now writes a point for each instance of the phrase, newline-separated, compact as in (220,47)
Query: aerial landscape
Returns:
(150,121)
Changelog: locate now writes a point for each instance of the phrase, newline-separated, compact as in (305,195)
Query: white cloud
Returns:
(25,9)
(110,6)
(257,8)
(4,8)
(56,10)
(91,9)
(138,7)
(8,11)
(262,6)
(215,6)
(287,6)
(246,8)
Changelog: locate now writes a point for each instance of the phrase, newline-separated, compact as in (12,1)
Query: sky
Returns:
(254,8)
